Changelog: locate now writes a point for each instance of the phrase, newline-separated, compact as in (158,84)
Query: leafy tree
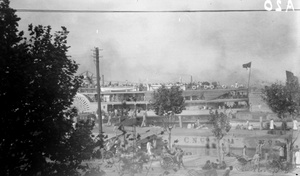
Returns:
(167,102)
(284,100)
(280,99)
(221,126)
(38,84)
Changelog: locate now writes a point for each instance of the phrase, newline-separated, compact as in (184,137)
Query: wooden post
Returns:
(99,92)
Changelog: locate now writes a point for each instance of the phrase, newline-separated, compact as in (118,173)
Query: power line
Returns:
(141,11)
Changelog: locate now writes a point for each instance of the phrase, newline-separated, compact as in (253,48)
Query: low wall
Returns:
(256,116)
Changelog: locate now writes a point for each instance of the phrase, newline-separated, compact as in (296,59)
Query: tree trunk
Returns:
(288,151)
(218,149)
(170,146)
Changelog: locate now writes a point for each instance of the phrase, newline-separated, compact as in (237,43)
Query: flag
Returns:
(291,80)
(289,77)
(248,65)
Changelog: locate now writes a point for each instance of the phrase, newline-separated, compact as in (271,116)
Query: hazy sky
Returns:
(167,46)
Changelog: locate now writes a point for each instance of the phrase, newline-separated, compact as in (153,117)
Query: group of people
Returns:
(284,124)
(131,113)
(212,167)
(176,152)
(271,125)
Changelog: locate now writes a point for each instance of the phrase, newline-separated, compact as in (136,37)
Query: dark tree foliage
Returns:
(168,100)
(37,89)
(280,99)
(166,103)
(221,124)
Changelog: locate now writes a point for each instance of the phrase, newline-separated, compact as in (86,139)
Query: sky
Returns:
(167,47)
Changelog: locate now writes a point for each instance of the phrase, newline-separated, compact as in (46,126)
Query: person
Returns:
(108,145)
(284,124)
(223,165)
(179,155)
(295,122)
(109,118)
(227,172)
(118,142)
(297,157)
(261,126)
(281,152)
(116,113)
(134,113)
(255,160)
(259,148)
(102,151)
(207,146)
(228,147)
(218,163)
(144,119)
(271,124)
(245,152)
(242,127)
(154,143)
(149,147)
(207,165)
(247,124)
(211,172)
(115,129)
(238,127)
(223,150)
(250,127)
(197,124)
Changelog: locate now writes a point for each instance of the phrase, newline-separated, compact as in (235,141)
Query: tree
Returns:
(221,126)
(38,84)
(167,102)
(284,101)
(280,99)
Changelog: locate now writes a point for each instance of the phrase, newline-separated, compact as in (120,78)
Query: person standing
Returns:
(154,143)
(223,152)
(255,160)
(109,118)
(295,123)
(149,147)
(261,123)
(245,152)
(260,150)
(284,124)
(144,119)
(271,124)
(228,147)
(179,155)
(281,152)
(207,146)
(116,114)
(247,124)
(297,157)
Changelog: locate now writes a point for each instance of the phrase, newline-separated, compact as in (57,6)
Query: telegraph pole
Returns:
(98,92)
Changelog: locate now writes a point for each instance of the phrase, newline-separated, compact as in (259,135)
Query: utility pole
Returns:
(98,92)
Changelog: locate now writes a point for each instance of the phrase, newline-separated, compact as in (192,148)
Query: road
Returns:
(191,163)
